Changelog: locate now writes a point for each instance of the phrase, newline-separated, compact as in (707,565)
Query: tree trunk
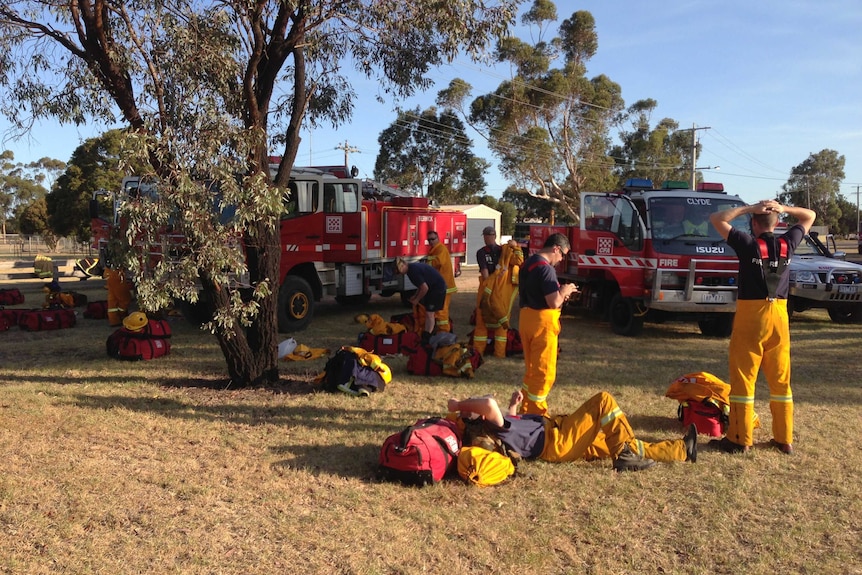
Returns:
(251,354)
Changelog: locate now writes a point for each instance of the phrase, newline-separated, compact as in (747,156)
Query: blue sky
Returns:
(773,81)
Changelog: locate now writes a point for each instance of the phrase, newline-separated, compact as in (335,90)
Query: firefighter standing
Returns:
(541,300)
(488,256)
(761,333)
(495,298)
(118,286)
(440,259)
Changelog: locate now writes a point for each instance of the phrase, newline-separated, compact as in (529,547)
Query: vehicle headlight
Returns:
(804,277)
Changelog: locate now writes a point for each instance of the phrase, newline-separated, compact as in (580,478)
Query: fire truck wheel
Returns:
(624,320)
(719,325)
(295,305)
(850,313)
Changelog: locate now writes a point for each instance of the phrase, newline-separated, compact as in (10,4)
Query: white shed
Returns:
(479,216)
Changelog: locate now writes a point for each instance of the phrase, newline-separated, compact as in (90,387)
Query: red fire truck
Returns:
(644,254)
(340,237)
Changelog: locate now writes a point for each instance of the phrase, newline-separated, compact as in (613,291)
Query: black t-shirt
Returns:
(488,257)
(421,273)
(537,279)
(752,283)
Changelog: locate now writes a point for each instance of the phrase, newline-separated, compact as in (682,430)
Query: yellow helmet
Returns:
(135,321)
(482,467)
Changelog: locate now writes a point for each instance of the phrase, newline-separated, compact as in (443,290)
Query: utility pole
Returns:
(694,130)
(347,149)
(858,229)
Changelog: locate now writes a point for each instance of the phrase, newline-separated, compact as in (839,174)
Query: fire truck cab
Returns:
(645,254)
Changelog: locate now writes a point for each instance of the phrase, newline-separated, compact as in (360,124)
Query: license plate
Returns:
(848,289)
(714,297)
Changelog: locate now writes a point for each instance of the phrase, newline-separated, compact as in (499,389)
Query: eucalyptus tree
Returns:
(660,153)
(207,91)
(816,184)
(548,126)
(94,166)
(21,184)
(429,151)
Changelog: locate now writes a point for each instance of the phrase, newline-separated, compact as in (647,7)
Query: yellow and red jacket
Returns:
(701,387)
(440,259)
(501,288)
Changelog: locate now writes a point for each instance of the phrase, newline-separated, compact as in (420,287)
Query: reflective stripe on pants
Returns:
(760,340)
(539,330)
(599,430)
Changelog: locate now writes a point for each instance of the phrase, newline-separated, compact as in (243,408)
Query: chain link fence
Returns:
(25,246)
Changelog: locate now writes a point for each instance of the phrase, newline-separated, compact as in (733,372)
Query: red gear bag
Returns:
(420,454)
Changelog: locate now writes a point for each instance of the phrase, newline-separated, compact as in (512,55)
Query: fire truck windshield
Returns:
(680,217)
(303,198)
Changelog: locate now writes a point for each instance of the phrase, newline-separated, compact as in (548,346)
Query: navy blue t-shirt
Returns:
(523,434)
(752,283)
(536,279)
(421,273)
(488,257)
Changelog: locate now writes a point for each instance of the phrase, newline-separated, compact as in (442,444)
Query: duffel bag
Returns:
(420,454)
(131,346)
(11,296)
(388,344)
(47,319)
(96,310)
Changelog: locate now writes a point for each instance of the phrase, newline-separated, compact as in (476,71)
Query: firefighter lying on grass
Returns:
(597,430)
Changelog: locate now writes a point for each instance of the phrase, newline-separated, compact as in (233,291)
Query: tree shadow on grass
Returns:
(358,461)
(326,418)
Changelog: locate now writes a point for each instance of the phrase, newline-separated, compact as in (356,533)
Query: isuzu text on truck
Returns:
(340,237)
(643,254)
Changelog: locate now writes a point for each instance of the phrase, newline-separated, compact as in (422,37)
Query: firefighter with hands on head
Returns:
(488,256)
(761,333)
(598,429)
(430,291)
(440,259)
(541,301)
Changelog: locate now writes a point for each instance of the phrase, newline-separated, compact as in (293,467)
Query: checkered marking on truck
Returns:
(617,262)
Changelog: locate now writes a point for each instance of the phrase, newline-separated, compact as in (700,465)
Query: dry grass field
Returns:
(111,467)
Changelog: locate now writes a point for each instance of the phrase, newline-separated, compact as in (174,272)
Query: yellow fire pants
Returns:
(539,331)
(480,330)
(481,333)
(760,339)
(442,316)
(119,296)
(599,430)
